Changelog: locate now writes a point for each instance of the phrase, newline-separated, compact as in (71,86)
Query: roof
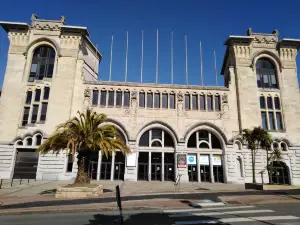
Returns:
(13,25)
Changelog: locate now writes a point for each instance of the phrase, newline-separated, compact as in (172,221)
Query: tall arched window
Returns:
(42,63)
(204,139)
(266,74)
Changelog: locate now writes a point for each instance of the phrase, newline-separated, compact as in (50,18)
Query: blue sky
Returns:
(209,21)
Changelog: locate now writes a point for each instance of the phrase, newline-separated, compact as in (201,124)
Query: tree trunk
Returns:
(82,174)
(253,167)
(268,167)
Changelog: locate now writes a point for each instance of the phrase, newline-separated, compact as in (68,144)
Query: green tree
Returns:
(273,156)
(256,139)
(82,135)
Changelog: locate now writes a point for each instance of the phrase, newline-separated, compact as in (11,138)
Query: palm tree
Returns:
(82,135)
(256,139)
(275,156)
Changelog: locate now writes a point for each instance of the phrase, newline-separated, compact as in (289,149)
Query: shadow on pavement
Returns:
(199,196)
(146,219)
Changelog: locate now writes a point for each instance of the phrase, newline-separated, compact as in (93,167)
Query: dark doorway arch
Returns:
(279,173)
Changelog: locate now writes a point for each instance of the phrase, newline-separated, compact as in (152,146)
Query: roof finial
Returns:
(63,19)
(275,32)
(249,31)
(34,17)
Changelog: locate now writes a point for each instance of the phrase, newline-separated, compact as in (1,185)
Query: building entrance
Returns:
(169,167)
(218,169)
(106,167)
(156,158)
(93,165)
(119,167)
(204,168)
(192,168)
(279,173)
(26,164)
(143,165)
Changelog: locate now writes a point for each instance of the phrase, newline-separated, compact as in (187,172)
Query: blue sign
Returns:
(192,160)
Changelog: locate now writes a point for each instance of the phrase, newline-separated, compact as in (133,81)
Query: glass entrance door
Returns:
(105,167)
(143,165)
(119,169)
(93,165)
(192,172)
(156,165)
(205,173)
(169,167)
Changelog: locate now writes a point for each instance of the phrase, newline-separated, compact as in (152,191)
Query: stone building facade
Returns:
(191,132)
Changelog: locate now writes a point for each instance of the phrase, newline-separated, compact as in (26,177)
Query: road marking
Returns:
(207,209)
(239,219)
(221,213)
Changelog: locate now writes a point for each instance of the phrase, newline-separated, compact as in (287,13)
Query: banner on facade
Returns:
(181,160)
(204,160)
(192,160)
(217,160)
(131,159)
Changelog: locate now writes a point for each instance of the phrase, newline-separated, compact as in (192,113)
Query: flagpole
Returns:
(157,56)
(110,63)
(142,58)
(172,63)
(186,61)
(201,65)
(126,60)
(216,67)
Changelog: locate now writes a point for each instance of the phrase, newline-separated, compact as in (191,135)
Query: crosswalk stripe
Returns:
(208,209)
(221,213)
(239,219)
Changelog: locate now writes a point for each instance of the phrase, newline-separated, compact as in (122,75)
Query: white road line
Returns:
(220,213)
(208,209)
(239,219)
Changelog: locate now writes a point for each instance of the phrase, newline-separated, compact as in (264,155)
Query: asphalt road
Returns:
(288,214)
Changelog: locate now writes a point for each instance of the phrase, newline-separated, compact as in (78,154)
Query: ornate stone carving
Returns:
(87,93)
(134,95)
(18,39)
(263,41)
(224,98)
(180,96)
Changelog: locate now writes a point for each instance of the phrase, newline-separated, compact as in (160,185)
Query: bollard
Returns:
(20,181)
(28,180)
(1,183)
(11,183)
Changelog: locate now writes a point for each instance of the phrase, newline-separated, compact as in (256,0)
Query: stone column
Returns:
(212,180)
(198,168)
(99,165)
(162,166)
(149,167)
(112,166)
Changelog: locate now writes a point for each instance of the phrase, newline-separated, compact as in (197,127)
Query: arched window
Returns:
(204,139)
(156,137)
(38,140)
(20,143)
(239,167)
(42,63)
(28,141)
(266,74)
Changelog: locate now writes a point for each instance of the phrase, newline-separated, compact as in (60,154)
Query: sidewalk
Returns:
(39,196)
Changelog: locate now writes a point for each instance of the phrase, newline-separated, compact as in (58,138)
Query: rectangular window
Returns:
(157,100)
(271,121)
(202,103)
(195,102)
(44,111)
(187,102)
(277,103)
(262,102)
(46,93)
(217,103)
(142,99)
(37,96)
(164,100)
(34,115)
(172,101)
(126,99)
(210,103)
(279,121)
(149,100)
(25,116)
(269,102)
(111,96)
(264,120)
(103,98)
(95,97)
(119,99)
(28,97)
(70,163)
